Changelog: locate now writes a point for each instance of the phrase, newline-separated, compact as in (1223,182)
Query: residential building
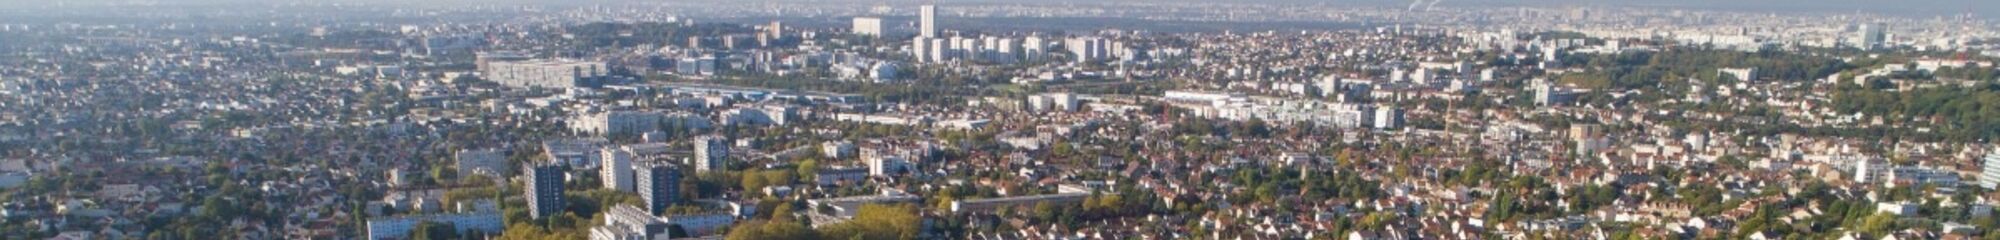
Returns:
(659,185)
(489,162)
(617,122)
(711,153)
(486,222)
(868,26)
(546,73)
(1388,117)
(616,172)
(545,189)
(928,27)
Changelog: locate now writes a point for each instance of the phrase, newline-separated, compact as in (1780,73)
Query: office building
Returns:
(545,189)
(659,185)
(928,21)
(868,26)
(711,153)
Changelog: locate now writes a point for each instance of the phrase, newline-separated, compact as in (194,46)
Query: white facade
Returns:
(1388,117)
(869,26)
(701,224)
(398,227)
(1089,49)
(617,122)
(710,153)
(885,165)
(543,73)
(928,21)
(616,173)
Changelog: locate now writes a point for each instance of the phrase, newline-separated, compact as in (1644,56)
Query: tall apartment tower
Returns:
(711,153)
(545,189)
(616,170)
(928,22)
(659,185)
(1873,35)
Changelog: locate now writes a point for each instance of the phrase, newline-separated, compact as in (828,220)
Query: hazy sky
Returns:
(1987,8)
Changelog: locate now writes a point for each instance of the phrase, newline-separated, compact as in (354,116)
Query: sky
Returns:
(1985,8)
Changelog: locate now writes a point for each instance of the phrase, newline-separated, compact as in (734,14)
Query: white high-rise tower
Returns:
(928,22)
(616,171)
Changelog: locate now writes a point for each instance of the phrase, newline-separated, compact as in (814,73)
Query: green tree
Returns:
(772,230)
(433,231)
(879,222)
(1879,224)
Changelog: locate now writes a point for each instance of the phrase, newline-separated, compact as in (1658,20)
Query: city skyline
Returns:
(1039,119)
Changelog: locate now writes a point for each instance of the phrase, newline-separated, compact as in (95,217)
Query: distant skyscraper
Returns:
(1872,35)
(545,189)
(711,153)
(616,171)
(1991,177)
(659,185)
(928,22)
(870,26)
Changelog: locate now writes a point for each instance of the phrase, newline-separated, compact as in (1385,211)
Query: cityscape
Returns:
(984,119)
